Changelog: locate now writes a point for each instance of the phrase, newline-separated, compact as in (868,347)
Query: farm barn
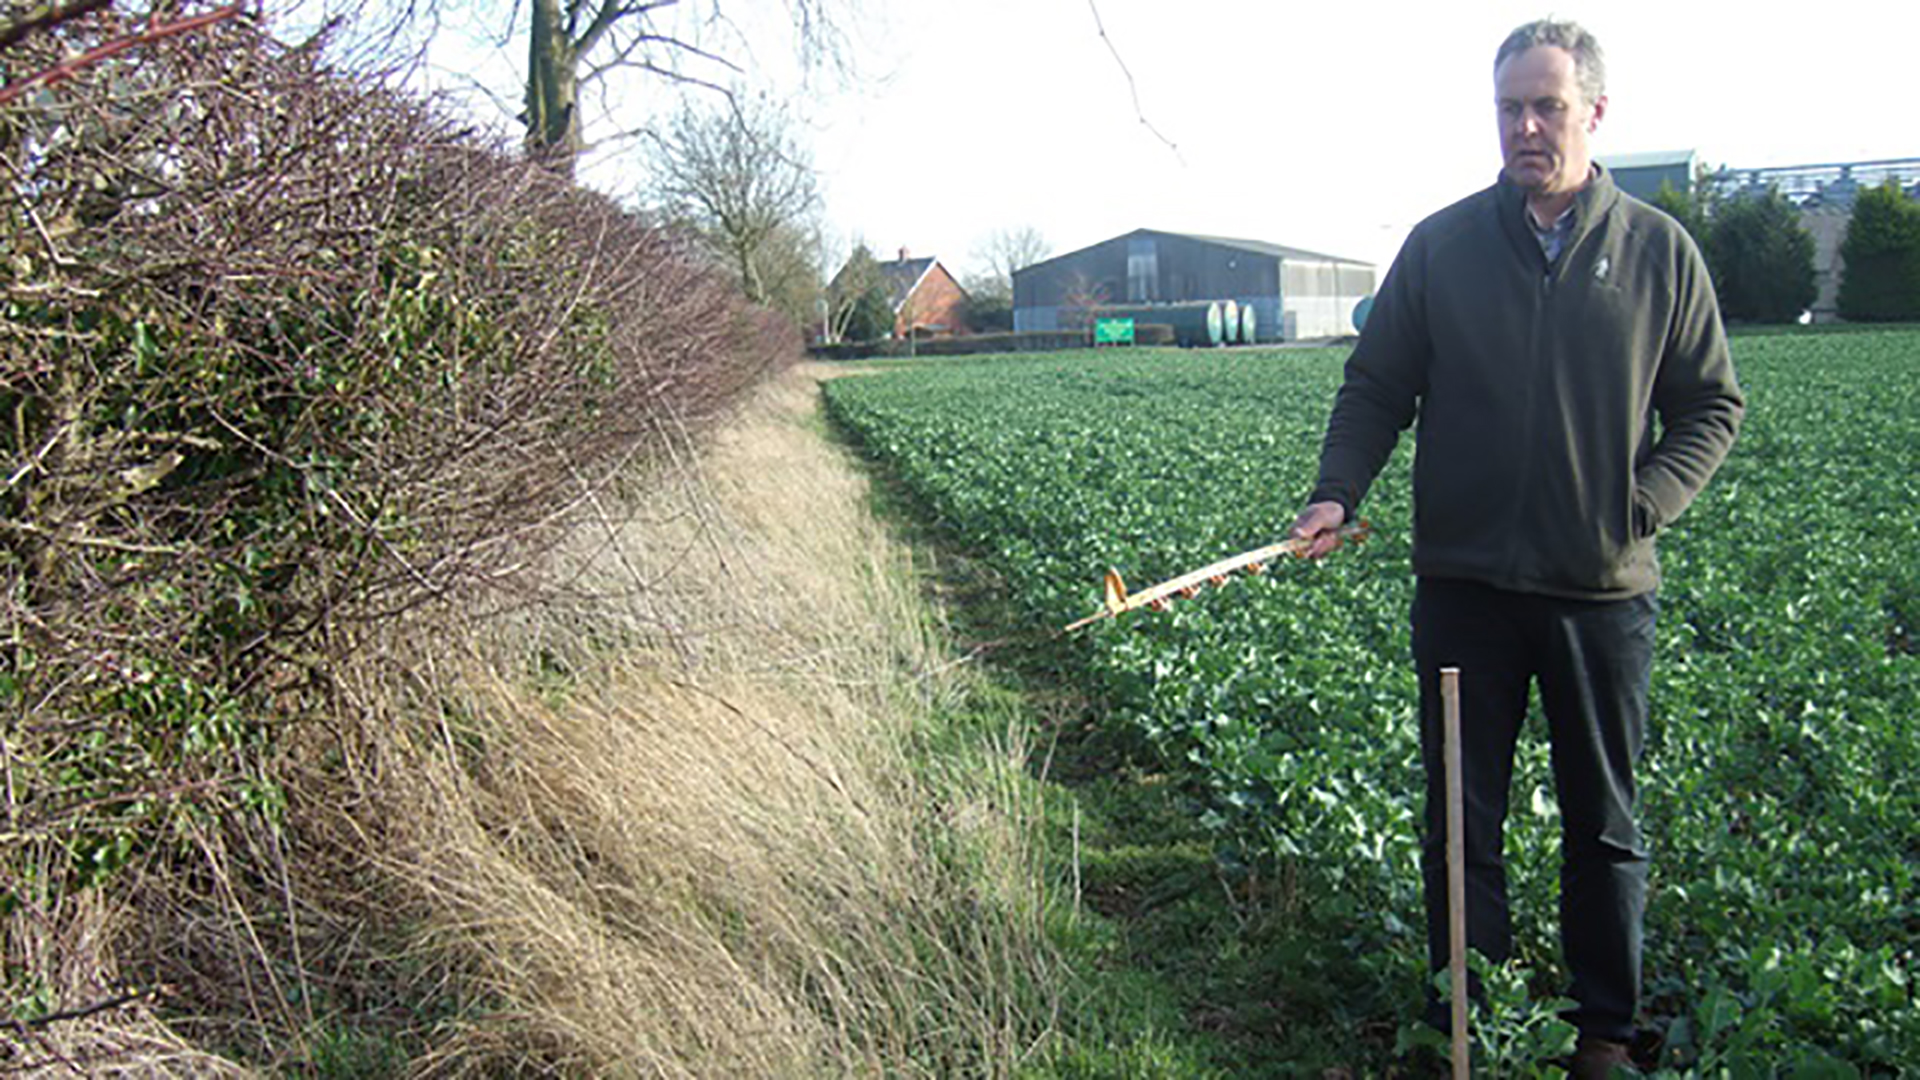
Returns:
(1294,294)
(1641,175)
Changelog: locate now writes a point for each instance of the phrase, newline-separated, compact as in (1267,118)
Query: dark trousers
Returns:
(1593,661)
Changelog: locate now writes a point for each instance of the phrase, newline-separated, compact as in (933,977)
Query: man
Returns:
(1536,330)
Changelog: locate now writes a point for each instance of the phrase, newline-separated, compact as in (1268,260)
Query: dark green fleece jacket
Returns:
(1539,465)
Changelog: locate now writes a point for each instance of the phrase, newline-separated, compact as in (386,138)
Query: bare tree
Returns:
(858,308)
(790,274)
(1003,252)
(575,43)
(1084,297)
(990,283)
(738,177)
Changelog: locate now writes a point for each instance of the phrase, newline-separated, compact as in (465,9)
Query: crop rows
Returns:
(1781,787)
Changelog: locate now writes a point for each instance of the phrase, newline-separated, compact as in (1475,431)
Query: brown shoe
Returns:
(1596,1059)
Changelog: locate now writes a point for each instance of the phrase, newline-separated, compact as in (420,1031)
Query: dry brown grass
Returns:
(697,840)
(677,818)
(289,357)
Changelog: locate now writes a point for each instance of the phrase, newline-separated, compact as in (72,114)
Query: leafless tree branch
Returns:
(1132,89)
(624,58)
(45,17)
(156,30)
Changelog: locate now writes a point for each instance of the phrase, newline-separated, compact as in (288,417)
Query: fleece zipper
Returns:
(1536,364)
(1521,489)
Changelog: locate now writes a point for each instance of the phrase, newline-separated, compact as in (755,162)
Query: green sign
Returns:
(1113,331)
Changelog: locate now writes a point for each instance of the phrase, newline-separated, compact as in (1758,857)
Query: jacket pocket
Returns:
(1646,518)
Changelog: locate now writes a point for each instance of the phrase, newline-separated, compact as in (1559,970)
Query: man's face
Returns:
(1545,123)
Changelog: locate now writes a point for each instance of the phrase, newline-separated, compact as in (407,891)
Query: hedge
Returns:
(286,357)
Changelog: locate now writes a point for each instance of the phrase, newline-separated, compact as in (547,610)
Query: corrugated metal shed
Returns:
(1294,293)
(1641,174)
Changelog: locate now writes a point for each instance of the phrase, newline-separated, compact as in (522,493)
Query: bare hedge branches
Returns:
(20,23)
(157,29)
(283,354)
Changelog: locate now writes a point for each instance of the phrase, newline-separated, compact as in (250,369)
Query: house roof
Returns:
(1256,247)
(1260,247)
(1647,159)
(899,277)
(902,276)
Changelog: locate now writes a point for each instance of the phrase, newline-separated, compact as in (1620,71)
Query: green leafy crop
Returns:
(1781,786)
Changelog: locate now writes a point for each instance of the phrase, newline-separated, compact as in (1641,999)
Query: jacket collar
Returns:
(1590,204)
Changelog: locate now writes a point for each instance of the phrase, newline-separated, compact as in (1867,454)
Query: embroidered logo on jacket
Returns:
(1600,268)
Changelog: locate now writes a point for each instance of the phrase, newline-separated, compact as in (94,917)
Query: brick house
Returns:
(925,297)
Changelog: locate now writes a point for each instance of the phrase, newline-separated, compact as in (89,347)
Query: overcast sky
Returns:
(1329,126)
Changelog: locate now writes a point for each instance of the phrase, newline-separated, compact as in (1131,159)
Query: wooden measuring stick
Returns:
(1456,867)
(1119,601)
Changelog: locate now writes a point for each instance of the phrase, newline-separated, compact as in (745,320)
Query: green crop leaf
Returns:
(1777,782)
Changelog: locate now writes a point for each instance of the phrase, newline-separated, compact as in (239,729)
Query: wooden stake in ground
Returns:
(1456,867)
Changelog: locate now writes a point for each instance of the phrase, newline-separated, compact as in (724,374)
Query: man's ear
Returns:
(1599,110)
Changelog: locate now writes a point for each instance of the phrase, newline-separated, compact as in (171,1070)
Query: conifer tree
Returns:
(1881,279)
(1762,259)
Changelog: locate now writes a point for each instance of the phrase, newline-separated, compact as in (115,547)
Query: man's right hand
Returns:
(1319,522)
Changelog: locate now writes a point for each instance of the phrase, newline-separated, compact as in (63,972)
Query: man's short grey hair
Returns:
(1589,65)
